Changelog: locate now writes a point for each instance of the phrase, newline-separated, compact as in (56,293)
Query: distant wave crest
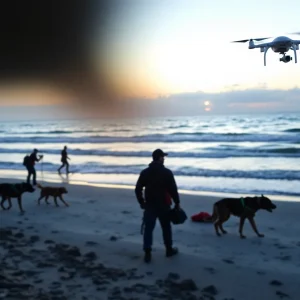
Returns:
(205,153)
(171,138)
(98,168)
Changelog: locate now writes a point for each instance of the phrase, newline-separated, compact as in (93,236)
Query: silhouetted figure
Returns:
(64,160)
(160,189)
(30,165)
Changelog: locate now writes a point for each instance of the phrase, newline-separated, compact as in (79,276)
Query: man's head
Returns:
(65,147)
(159,155)
(35,151)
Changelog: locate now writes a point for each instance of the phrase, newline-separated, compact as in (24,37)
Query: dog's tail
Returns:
(39,186)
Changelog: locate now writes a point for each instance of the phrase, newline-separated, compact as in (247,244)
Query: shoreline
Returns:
(21,175)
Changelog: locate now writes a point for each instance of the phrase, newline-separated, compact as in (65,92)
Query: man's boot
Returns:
(170,251)
(147,257)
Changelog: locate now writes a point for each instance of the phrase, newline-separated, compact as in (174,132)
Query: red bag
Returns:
(168,199)
(202,217)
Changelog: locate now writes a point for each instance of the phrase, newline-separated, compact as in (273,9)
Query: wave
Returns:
(222,152)
(292,130)
(97,168)
(62,132)
(241,191)
(171,138)
(178,126)
(52,132)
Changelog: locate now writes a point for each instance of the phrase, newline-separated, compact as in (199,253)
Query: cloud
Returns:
(236,101)
(252,101)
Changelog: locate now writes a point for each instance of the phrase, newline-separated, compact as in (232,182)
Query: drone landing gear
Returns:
(265,49)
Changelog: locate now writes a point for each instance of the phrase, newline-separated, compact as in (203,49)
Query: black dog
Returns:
(9,190)
(245,208)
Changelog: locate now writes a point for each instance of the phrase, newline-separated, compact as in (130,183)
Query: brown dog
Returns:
(47,191)
(9,190)
(245,208)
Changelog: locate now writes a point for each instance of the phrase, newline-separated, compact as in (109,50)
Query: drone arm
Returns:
(294,47)
(265,54)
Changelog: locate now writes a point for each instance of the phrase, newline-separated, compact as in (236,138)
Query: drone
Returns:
(281,45)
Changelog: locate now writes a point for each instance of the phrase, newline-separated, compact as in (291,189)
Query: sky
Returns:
(173,56)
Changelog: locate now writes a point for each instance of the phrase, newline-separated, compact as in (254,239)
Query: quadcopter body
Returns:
(280,44)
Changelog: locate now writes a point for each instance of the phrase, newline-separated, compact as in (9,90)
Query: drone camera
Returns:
(286,59)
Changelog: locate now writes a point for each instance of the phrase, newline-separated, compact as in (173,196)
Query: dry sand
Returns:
(93,250)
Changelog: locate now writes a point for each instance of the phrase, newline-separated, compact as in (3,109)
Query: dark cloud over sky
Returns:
(253,101)
(239,101)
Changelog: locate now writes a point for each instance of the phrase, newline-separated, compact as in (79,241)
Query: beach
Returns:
(93,250)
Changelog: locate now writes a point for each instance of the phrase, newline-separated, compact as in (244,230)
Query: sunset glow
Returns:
(179,54)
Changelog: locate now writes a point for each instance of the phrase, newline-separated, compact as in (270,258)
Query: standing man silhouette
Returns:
(64,160)
(160,189)
(30,165)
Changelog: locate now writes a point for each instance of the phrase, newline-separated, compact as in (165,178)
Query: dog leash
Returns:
(42,169)
(143,224)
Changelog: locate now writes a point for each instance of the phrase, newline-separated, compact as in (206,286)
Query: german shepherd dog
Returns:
(244,208)
(9,190)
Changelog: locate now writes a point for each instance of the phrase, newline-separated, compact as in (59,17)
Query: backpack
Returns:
(177,216)
(26,160)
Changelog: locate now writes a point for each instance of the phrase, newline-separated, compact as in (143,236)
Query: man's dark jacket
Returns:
(158,182)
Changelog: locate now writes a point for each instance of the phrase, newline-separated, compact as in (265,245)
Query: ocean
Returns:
(241,154)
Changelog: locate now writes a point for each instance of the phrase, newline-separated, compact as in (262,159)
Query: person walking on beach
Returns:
(64,160)
(160,187)
(30,165)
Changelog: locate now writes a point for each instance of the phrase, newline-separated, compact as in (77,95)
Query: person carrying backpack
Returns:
(29,162)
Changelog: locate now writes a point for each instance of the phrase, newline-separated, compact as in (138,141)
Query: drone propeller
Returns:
(257,40)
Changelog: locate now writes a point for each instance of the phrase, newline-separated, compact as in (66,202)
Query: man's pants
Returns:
(64,163)
(150,216)
(31,171)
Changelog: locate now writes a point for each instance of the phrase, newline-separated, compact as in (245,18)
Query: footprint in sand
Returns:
(210,270)
(228,261)
(280,246)
(282,295)
(284,258)
(261,272)
(91,243)
(276,282)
